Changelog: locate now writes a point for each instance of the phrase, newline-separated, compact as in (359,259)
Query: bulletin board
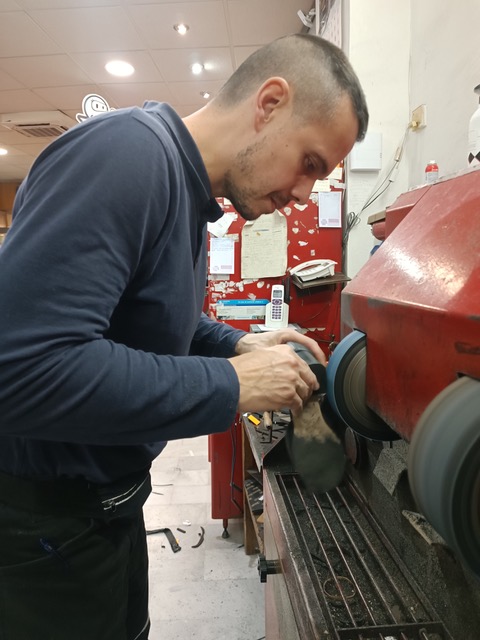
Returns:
(315,310)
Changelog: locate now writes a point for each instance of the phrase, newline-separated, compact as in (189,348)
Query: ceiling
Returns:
(53,53)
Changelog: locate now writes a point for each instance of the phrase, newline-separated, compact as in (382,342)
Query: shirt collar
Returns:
(209,208)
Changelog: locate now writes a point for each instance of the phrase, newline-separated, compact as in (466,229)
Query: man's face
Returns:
(287,158)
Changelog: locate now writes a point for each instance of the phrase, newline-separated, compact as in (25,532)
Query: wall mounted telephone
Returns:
(313,269)
(276,311)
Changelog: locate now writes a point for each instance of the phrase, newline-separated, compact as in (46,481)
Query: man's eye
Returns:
(309,166)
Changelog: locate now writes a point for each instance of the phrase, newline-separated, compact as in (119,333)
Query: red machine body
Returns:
(225,456)
(418,300)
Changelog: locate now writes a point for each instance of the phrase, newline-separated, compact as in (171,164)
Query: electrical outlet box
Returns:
(419,117)
(367,155)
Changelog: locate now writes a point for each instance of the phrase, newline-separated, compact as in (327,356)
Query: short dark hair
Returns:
(317,70)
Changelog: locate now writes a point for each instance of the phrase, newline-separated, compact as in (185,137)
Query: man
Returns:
(105,353)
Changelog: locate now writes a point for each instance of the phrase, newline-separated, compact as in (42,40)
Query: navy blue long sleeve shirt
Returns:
(104,351)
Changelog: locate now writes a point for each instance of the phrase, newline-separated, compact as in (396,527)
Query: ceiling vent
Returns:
(37,124)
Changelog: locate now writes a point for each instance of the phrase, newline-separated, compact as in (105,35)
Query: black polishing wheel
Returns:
(346,374)
(444,467)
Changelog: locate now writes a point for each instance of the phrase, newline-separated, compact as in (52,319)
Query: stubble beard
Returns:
(243,171)
(239,198)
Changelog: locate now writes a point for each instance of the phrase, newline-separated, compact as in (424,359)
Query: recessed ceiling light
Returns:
(119,68)
(205,94)
(181,28)
(197,68)
(3,152)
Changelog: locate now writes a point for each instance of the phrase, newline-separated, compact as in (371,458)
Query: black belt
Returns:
(77,497)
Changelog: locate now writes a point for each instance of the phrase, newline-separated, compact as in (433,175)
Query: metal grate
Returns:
(362,586)
(39,130)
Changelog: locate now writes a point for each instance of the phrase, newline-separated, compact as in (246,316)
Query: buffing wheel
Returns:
(444,467)
(346,373)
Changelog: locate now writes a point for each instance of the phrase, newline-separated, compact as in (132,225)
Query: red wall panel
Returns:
(316,309)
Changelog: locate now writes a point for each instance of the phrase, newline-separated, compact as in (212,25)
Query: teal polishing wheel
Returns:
(346,373)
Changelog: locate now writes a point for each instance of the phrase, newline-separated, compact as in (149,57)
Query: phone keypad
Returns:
(277,307)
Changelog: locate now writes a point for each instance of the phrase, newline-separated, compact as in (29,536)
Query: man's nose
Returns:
(302,189)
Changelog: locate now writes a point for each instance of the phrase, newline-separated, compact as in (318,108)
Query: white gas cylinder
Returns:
(474,135)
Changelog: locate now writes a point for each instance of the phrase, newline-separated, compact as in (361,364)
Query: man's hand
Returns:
(274,378)
(252,341)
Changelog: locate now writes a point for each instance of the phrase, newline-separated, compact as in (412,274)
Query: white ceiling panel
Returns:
(22,100)
(32,148)
(21,36)
(9,5)
(175,65)
(53,53)
(186,110)
(65,4)
(8,82)
(94,65)
(65,97)
(14,152)
(190,92)
(207,22)
(44,71)
(240,54)
(89,29)
(120,95)
(23,162)
(177,2)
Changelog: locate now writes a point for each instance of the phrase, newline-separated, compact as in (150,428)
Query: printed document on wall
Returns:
(222,255)
(264,247)
(330,209)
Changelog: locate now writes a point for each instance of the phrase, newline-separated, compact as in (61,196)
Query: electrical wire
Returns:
(388,178)
(352,218)
(379,194)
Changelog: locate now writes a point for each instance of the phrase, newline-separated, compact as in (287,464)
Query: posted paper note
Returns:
(222,255)
(264,247)
(330,209)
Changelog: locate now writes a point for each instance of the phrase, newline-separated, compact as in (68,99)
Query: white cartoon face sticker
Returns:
(93,105)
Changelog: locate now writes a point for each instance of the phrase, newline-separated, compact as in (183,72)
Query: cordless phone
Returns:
(276,314)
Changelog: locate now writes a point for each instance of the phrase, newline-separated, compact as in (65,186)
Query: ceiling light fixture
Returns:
(197,68)
(181,28)
(3,152)
(205,94)
(119,68)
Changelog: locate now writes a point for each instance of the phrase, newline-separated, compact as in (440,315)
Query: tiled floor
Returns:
(211,592)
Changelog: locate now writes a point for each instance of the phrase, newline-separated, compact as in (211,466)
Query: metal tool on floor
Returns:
(170,537)
(200,539)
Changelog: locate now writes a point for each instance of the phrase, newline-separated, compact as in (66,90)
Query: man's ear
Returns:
(274,94)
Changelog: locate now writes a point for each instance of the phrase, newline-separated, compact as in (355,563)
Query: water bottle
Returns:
(431,172)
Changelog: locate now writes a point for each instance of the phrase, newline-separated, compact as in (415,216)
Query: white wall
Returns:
(378,47)
(407,53)
(445,67)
